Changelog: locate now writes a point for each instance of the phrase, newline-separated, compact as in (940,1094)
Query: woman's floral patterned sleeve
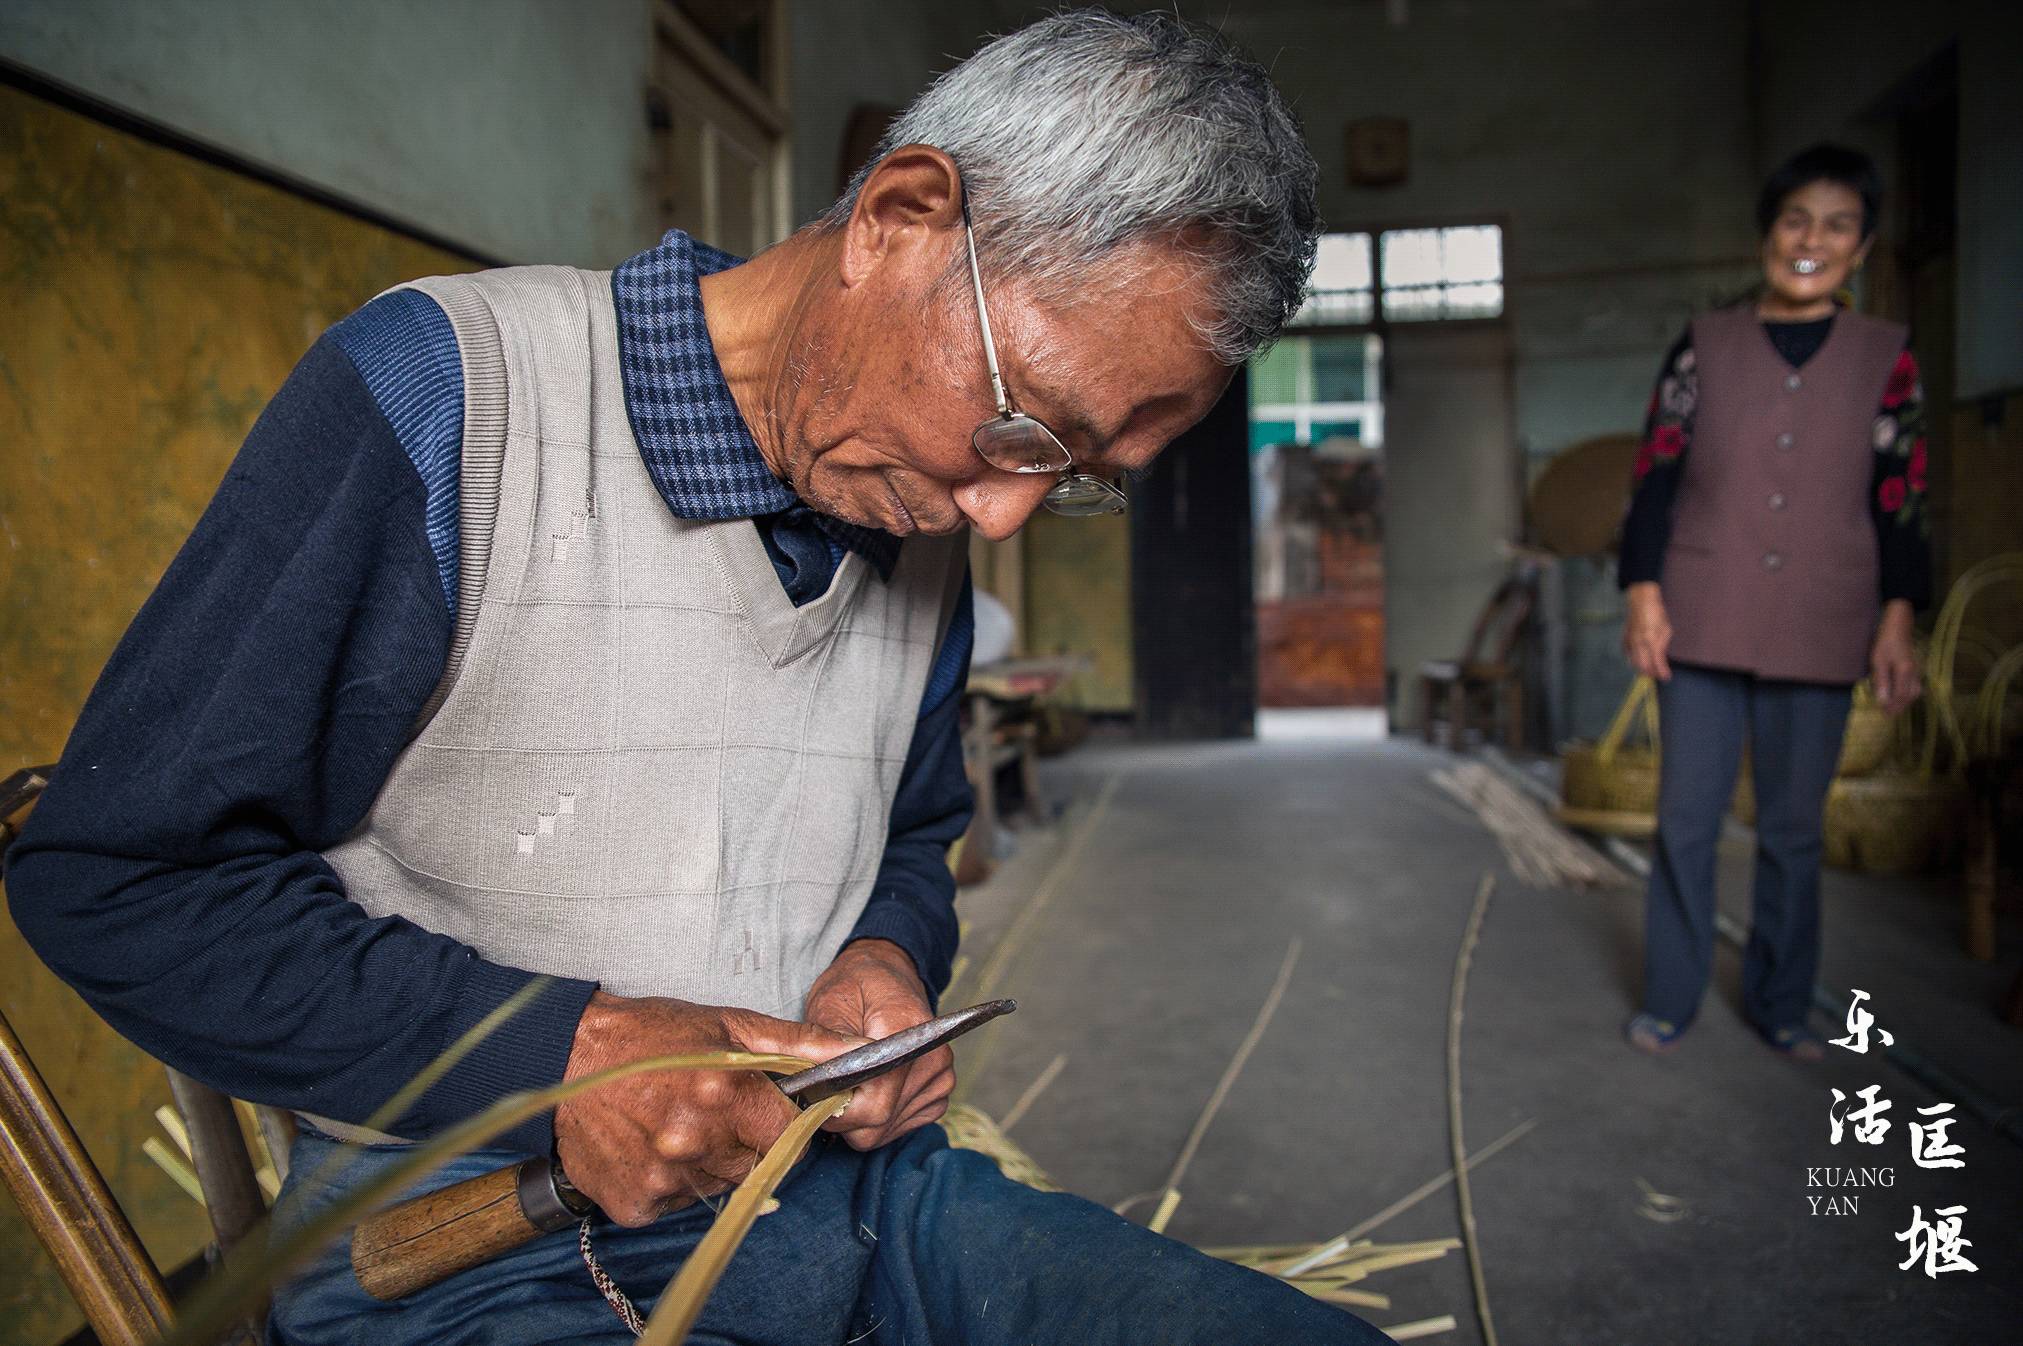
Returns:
(1668,433)
(1898,502)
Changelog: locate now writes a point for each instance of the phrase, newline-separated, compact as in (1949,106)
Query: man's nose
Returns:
(999,503)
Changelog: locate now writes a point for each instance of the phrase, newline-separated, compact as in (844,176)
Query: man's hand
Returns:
(1647,632)
(1893,660)
(654,1142)
(872,990)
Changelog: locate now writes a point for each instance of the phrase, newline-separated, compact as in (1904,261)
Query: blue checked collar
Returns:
(697,449)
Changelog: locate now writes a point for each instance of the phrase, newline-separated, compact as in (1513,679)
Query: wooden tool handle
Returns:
(420,1242)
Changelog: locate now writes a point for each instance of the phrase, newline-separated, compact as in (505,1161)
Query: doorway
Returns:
(1317,494)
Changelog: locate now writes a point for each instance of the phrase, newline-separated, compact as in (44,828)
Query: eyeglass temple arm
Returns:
(983,315)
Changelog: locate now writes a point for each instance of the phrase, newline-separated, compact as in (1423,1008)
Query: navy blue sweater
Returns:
(247,721)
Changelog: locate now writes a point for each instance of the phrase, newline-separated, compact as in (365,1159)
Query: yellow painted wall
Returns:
(1078,601)
(149,306)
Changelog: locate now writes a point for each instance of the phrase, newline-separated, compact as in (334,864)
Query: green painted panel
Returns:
(1078,601)
(149,306)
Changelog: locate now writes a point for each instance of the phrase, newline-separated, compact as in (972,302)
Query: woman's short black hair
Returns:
(1838,164)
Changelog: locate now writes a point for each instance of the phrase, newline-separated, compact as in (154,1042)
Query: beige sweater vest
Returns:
(646,767)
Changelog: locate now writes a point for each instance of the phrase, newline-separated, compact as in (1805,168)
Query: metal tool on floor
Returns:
(421,1242)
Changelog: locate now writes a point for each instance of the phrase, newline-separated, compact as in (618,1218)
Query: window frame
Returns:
(1381,322)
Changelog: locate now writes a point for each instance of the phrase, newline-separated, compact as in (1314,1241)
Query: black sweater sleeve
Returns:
(246,722)
(1668,435)
(1897,500)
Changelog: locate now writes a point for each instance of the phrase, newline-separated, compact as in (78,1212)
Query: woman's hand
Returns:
(1893,660)
(1647,632)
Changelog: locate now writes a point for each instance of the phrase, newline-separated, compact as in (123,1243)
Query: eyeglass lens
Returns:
(1080,494)
(1018,443)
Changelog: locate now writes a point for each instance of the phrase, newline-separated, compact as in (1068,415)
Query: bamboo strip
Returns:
(248,1275)
(1424,1327)
(1355,1299)
(1414,1197)
(1012,942)
(1539,852)
(690,1289)
(1032,1093)
(172,1164)
(1167,1205)
(1462,960)
(171,1121)
(1229,1074)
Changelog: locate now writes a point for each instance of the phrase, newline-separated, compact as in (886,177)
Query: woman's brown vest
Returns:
(1772,565)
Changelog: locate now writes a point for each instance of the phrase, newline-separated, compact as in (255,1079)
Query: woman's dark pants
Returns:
(1793,730)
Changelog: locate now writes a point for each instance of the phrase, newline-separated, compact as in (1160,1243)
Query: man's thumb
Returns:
(762,1033)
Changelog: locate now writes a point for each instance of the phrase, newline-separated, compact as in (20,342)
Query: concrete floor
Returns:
(1142,948)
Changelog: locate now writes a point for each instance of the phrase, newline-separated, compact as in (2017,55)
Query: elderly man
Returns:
(607,628)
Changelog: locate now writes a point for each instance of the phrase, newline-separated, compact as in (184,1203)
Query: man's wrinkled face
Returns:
(891,383)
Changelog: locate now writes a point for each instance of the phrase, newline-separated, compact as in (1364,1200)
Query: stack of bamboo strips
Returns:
(1539,851)
(1341,1267)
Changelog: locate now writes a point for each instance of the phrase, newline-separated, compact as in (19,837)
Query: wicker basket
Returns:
(1892,822)
(1863,749)
(1869,735)
(1614,775)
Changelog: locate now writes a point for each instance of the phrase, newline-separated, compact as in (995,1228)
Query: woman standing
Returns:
(1774,554)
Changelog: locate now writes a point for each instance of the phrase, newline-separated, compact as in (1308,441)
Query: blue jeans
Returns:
(915,1244)
(1794,731)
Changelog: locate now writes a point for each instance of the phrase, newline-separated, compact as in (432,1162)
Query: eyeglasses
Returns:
(1014,442)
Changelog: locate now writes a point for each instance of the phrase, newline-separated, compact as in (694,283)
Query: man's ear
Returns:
(902,212)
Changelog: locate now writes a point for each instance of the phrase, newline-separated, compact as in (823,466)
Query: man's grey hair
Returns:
(1087,132)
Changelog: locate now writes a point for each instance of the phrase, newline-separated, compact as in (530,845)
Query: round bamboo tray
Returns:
(1609,821)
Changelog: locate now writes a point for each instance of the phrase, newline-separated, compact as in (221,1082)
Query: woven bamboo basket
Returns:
(1869,734)
(1892,822)
(1864,748)
(1615,775)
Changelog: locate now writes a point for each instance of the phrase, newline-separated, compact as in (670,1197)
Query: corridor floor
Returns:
(1142,931)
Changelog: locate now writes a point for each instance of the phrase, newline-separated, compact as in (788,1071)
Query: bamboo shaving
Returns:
(1540,852)
(690,1289)
(171,1121)
(172,1164)
(968,1128)
(1424,1327)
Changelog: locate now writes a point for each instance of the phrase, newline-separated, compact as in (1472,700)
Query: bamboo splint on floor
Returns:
(1540,852)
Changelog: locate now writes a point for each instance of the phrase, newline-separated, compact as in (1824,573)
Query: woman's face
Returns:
(1814,244)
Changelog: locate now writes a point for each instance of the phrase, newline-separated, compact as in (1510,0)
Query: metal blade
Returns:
(873,1059)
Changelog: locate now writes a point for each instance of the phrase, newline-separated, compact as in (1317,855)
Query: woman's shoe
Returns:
(1797,1042)
(1652,1035)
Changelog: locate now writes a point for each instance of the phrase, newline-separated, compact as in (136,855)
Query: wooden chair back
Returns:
(64,1197)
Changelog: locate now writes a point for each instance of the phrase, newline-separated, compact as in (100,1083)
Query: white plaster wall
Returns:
(513,127)
(847,52)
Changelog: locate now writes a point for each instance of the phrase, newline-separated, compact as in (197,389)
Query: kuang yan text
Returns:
(1843,1202)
